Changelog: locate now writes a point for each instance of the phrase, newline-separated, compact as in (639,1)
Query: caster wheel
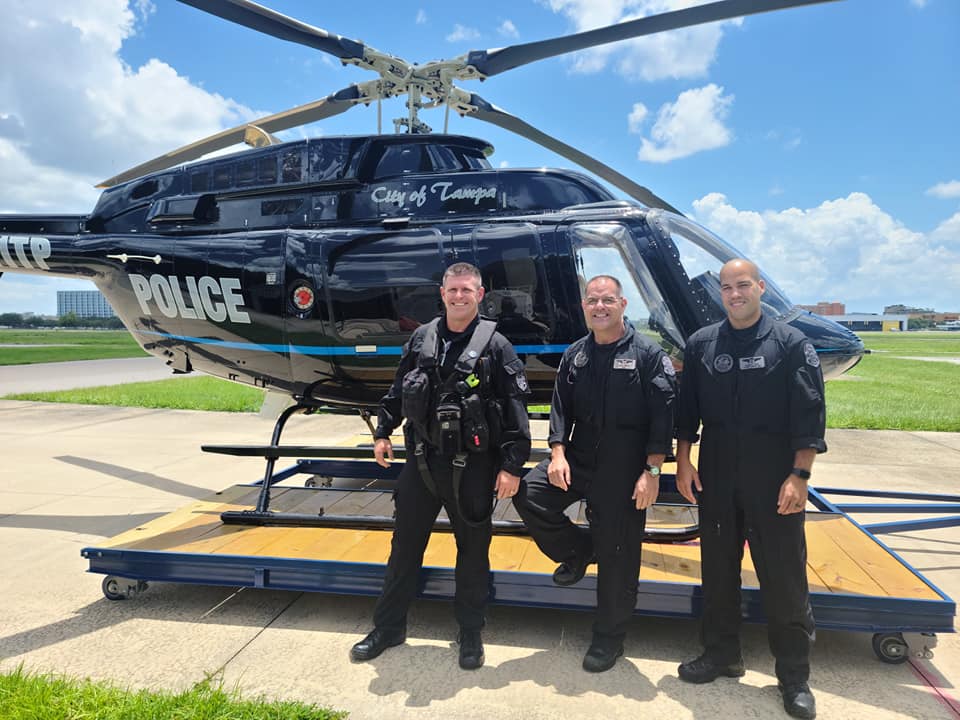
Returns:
(891,648)
(115,588)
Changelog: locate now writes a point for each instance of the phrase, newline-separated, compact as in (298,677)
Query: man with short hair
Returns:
(611,425)
(756,385)
(462,389)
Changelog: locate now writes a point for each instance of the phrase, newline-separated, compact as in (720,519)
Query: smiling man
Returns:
(756,386)
(462,389)
(611,425)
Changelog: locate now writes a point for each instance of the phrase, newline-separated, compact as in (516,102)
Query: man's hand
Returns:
(558,472)
(383,452)
(646,490)
(793,496)
(687,479)
(507,485)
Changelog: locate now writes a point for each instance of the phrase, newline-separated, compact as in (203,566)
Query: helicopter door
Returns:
(381,285)
(609,248)
(145,292)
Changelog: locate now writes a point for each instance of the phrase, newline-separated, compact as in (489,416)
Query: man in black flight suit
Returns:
(467,435)
(611,424)
(756,385)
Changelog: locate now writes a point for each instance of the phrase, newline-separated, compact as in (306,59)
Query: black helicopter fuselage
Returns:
(303,267)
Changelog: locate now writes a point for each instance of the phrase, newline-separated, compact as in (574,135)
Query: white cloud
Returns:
(945,190)
(504,164)
(462,32)
(508,29)
(421,16)
(72,113)
(846,249)
(636,117)
(919,3)
(687,52)
(690,125)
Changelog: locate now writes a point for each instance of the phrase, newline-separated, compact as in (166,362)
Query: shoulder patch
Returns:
(580,360)
(668,366)
(810,354)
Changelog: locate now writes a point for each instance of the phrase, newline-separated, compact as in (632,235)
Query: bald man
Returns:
(756,386)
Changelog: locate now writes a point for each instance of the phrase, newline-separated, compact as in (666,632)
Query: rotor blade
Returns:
(492,62)
(265,20)
(329,106)
(494,115)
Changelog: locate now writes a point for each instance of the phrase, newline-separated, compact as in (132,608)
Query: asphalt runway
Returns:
(74,475)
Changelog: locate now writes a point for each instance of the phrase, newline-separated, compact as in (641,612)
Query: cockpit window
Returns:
(701,254)
(609,249)
(401,160)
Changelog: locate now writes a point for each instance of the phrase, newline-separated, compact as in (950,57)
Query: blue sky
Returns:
(821,141)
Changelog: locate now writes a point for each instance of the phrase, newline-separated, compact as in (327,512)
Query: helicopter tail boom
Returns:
(36,244)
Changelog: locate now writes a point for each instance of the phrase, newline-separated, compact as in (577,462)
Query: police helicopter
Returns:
(302,267)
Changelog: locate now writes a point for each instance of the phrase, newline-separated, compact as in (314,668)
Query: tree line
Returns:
(70,320)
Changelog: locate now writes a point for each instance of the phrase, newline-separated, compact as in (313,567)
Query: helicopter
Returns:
(302,267)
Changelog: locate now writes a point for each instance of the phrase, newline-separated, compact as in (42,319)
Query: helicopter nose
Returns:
(838,348)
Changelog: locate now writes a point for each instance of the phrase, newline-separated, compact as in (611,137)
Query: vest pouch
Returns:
(476,431)
(415,398)
(449,441)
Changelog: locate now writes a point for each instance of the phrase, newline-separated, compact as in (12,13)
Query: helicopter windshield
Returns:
(608,248)
(701,254)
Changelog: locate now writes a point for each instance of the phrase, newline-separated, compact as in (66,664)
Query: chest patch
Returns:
(723,363)
(810,355)
(580,360)
(624,364)
(753,363)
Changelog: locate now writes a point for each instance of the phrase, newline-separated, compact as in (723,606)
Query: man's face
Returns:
(461,295)
(741,295)
(603,306)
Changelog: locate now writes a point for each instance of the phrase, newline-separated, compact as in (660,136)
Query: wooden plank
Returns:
(198,511)
(835,567)
(651,563)
(681,562)
(369,546)
(895,579)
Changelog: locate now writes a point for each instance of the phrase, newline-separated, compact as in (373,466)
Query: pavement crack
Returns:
(256,635)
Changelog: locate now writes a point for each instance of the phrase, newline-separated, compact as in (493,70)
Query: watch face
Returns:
(653,470)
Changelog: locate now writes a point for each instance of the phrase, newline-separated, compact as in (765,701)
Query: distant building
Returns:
(928,314)
(84,304)
(865,322)
(826,308)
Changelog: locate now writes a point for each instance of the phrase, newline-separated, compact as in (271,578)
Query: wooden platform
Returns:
(843,559)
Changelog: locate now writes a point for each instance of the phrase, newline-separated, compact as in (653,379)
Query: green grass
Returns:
(30,696)
(920,344)
(64,345)
(193,393)
(884,392)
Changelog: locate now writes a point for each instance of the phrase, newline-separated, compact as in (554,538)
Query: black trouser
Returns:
(417,509)
(615,537)
(779,552)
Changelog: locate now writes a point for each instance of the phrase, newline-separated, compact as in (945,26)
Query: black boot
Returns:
(704,670)
(798,700)
(600,657)
(375,643)
(571,572)
(471,649)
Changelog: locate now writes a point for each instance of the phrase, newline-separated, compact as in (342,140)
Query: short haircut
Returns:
(611,278)
(462,268)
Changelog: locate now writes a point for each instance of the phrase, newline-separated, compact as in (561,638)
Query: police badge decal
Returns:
(723,363)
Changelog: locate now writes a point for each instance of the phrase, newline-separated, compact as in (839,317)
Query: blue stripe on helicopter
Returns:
(329,350)
(352,350)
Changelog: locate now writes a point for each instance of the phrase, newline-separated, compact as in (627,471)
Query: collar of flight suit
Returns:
(627,338)
(763,327)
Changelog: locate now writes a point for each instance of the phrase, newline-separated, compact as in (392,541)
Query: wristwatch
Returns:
(653,470)
(801,473)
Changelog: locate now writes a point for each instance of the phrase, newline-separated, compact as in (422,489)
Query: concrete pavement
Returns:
(73,475)
(81,373)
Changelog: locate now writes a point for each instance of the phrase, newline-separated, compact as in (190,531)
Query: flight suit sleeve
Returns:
(659,387)
(561,407)
(511,390)
(807,410)
(389,414)
(688,405)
